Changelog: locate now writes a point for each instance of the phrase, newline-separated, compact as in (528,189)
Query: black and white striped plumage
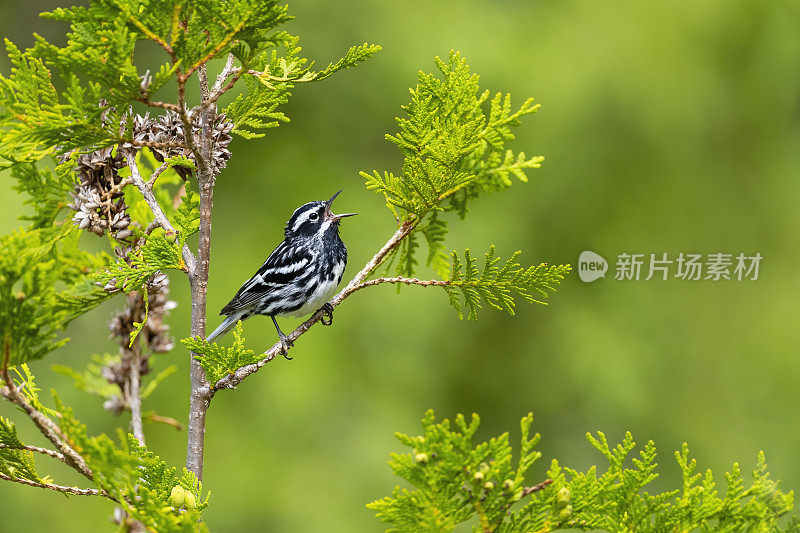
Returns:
(299,276)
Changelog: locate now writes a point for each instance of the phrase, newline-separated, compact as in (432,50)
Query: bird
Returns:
(299,277)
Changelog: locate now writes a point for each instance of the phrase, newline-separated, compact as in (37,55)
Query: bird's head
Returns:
(314,218)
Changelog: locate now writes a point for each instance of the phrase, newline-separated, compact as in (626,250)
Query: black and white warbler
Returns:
(299,276)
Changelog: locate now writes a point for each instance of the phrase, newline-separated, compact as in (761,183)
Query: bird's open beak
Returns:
(330,215)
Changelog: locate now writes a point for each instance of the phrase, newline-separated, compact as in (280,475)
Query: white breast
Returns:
(325,291)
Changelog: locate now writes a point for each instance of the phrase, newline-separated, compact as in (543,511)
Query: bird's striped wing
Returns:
(285,265)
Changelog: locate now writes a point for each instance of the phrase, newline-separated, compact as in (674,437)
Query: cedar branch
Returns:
(45,425)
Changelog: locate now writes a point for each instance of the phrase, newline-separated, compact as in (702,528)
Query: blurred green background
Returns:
(667,127)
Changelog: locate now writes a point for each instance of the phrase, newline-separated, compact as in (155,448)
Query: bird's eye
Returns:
(313,216)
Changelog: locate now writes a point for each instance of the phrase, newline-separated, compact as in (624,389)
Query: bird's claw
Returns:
(327,317)
(285,344)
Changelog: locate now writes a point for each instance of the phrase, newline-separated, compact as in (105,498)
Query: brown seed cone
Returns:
(155,333)
(94,205)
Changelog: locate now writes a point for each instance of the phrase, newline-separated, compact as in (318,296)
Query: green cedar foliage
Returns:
(255,110)
(157,253)
(453,137)
(134,476)
(218,361)
(43,191)
(45,278)
(97,63)
(139,481)
(455,481)
(498,284)
(26,384)
(45,282)
(453,147)
(15,461)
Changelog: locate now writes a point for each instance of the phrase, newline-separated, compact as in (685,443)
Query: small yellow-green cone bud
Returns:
(478,476)
(178,496)
(565,513)
(488,485)
(189,500)
(21,296)
(170,236)
(508,484)
(421,458)
(563,497)
(483,468)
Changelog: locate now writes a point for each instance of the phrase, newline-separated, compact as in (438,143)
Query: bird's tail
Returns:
(227,325)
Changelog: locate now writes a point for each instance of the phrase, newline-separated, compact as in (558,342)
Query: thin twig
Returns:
(134,398)
(156,173)
(152,144)
(217,94)
(404,280)
(132,358)
(161,105)
(232,380)
(227,70)
(150,227)
(527,491)
(152,417)
(188,128)
(44,451)
(219,89)
(237,72)
(153,37)
(114,189)
(155,207)
(60,488)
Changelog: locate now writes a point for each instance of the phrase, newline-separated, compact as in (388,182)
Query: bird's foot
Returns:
(327,317)
(285,343)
